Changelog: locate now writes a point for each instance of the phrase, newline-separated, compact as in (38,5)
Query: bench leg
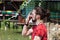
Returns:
(0,24)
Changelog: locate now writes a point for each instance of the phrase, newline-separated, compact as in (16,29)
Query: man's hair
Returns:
(40,11)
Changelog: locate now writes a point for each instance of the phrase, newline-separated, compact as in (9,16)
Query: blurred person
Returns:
(39,30)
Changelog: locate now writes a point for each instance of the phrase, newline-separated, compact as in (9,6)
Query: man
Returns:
(39,31)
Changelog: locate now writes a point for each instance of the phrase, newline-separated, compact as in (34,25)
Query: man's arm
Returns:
(26,31)
(37,38)
(29,31)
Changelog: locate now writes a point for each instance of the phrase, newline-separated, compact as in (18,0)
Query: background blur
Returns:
(13,12)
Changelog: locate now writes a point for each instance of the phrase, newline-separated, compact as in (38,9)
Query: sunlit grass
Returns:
(11,34)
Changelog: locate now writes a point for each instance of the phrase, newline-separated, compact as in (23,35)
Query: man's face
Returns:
(33,14)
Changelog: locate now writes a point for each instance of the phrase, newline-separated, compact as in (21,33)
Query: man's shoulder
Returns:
(42,26)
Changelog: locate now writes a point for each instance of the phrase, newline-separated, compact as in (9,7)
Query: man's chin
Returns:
(34,20)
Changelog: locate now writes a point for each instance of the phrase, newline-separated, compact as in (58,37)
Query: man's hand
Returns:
(28,19)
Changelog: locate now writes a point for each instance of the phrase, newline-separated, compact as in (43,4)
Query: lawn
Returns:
(11,34)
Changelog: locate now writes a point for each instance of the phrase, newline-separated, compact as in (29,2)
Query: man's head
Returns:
(38,13)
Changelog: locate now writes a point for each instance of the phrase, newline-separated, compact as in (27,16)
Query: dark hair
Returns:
(44,13)
(40,11)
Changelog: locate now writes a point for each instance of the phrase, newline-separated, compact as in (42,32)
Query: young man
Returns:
(39,31)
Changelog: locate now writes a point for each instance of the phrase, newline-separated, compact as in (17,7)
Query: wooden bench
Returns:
(7,23)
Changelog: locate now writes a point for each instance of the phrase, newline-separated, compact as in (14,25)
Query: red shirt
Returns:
(41,31)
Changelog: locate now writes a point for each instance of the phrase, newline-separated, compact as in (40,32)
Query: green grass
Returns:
(11,34)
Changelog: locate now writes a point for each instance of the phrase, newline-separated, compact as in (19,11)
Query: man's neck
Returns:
(39,21)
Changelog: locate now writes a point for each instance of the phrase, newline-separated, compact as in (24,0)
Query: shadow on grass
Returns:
(18,32)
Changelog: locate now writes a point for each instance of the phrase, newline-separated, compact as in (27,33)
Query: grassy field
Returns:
(11,34)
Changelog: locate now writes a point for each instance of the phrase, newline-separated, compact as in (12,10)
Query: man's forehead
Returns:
(34,11)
